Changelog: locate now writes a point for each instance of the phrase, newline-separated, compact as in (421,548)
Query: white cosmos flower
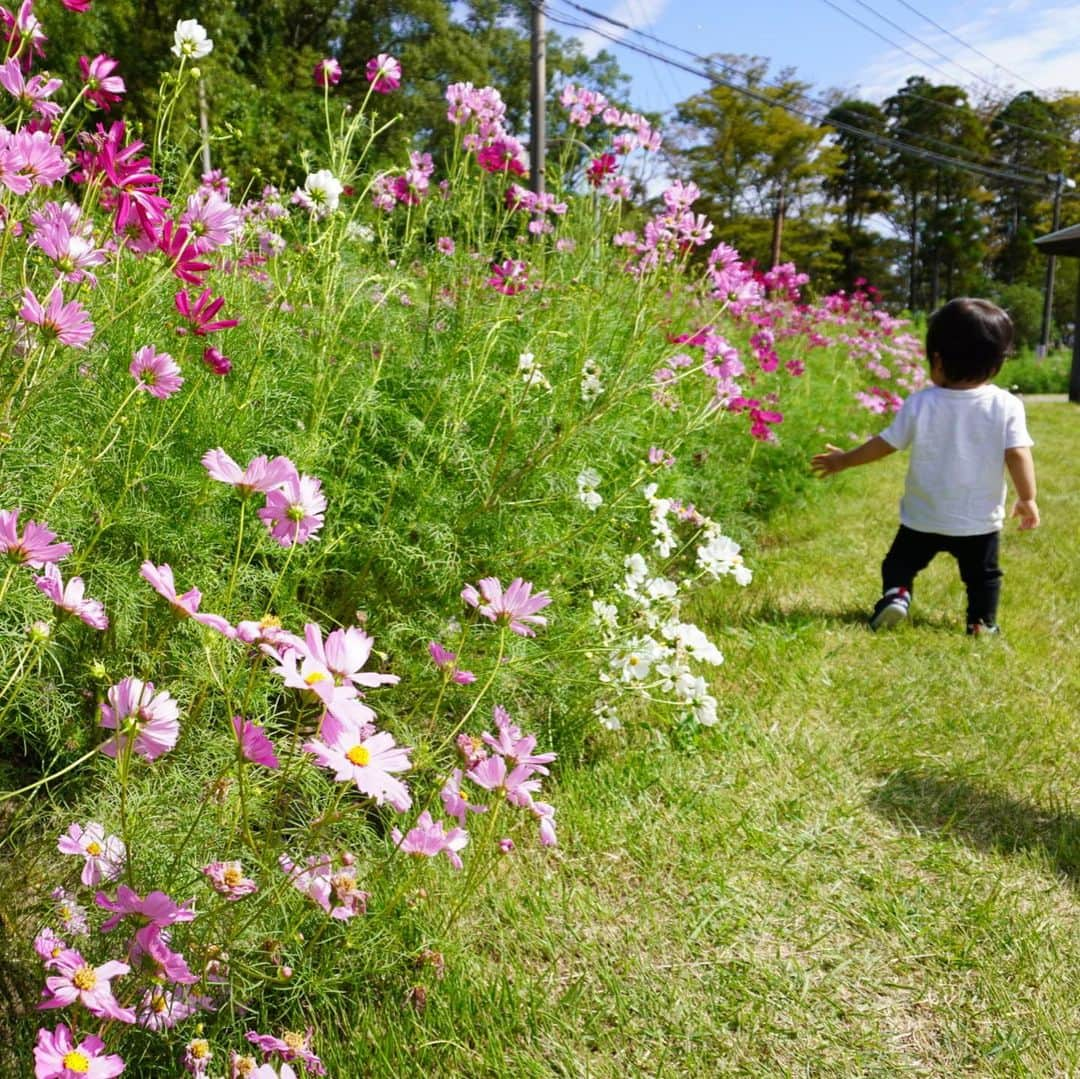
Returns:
(324,189)
(190,41)
(637,660)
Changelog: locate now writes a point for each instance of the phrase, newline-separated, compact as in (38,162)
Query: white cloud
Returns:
(1041,46)
(635,14)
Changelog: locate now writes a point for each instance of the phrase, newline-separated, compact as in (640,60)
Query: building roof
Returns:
(1062,242)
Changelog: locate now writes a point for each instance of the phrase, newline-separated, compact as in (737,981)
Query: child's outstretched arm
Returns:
(1022,470)
(836,459)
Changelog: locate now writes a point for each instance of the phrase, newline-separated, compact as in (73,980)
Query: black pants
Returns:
(977,557)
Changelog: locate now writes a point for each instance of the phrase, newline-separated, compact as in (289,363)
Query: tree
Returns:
(862,189)
(757,160)
(937,205)
(1024,136)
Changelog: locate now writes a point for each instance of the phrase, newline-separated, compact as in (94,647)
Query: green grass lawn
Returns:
(869,868)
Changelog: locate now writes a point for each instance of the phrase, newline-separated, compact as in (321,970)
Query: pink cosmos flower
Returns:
(160,1008)
(160,578)
(500,155)
(72,916)
(261,474)
(69,243)
(104,855)
(428,838)
(201,312)
(67,323)
(317,880)
(216,360)
(71,597)
(156,372)
(228,879)
(514,607)
(34,547)
(515,784)
(509,277)
(77,980)
(30,157)
(103,88)
(58,1056)
(133,710)
(327,72)
(343,654)
(445,245)
(156,909)
(368,760)
(30,93)
(454,802)
(77,5)
(254,743)
(384,73)
(446,660)
(48,945)
(212,220)
(294,512)
(514,746)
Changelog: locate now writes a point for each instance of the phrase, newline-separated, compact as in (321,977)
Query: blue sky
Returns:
(1030,43)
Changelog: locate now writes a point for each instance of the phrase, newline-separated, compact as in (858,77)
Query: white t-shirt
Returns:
(956,475)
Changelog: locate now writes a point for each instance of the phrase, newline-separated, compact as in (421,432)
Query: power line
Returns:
(968,45)
(926,45)
(1034,179)
(1038,134)
(1045,135)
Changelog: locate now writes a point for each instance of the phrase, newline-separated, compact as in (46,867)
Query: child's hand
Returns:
(1028,512)
(825,464)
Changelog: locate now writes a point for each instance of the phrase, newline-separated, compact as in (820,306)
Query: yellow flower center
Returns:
(93,848)
(244,1066)
(293,1040)
(84,978)
(199,1048)
(159,1003)
(77,1061)
(232,876)
(268,621)
(359,755)
(315,677)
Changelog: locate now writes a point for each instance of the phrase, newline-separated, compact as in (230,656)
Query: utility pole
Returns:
(1060,182)
(204,126)
(538,100)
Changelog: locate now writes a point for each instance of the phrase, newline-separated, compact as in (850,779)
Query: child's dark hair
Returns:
(972,338)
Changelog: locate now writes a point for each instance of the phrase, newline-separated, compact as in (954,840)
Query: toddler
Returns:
(963,434)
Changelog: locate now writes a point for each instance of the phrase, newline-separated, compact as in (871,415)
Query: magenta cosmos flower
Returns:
(200,313)
(35,547)
(294,512)
(216,361)
(228,879)
(58,1056)
(509,277)
(368,760)
(160,578)
(446,661)
(103,88)
(134,711)
(384,73)
(261,474)
(514,607)
(156,909)
(71,597)
(156,372)
(428,838)
(104,855)
(254,744)
(67,323)
(327,72)
(76,980)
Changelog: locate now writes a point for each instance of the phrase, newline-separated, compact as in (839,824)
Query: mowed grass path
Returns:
(871,867)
